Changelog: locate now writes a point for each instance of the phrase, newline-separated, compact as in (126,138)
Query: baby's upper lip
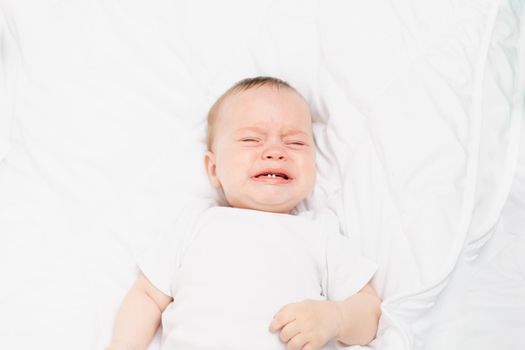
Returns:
(275,171)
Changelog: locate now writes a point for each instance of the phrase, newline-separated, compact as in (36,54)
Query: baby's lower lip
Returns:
(271,180)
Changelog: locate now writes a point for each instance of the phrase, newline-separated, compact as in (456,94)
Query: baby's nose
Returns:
(270,156)
(274,153)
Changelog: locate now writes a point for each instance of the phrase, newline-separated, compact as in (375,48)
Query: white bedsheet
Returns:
(418,104)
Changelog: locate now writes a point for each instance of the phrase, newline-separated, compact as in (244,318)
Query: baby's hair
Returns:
(243,85)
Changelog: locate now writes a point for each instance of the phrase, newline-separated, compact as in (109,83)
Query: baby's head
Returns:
(261,152)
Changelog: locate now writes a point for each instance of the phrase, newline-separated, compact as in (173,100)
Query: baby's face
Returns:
(263,151)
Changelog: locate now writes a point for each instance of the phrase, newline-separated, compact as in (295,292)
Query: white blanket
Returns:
(418,107)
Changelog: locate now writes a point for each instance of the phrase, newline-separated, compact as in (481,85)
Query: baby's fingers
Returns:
(289,331)
(281,319)
(296,343)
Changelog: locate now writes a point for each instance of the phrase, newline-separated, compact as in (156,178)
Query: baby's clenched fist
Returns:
(308,325)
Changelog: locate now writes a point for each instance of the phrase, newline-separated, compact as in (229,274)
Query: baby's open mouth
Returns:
(273,176)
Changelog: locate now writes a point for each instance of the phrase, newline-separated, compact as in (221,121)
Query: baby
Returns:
(251,275)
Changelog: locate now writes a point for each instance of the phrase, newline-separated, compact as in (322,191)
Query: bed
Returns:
(418,109)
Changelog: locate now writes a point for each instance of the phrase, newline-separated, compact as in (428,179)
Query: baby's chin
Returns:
(281,207)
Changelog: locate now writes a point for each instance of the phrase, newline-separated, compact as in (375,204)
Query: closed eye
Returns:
(296,143)
(249,140)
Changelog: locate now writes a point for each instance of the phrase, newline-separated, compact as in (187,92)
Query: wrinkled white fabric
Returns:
(417,104)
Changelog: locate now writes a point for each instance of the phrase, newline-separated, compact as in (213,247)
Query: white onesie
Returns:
(233,269)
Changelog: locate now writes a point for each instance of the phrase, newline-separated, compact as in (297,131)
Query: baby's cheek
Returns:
(230,184)
(312,177)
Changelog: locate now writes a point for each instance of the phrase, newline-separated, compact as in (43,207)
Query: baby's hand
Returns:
(307,325)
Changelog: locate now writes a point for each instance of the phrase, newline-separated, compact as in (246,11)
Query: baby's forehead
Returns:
(263,98)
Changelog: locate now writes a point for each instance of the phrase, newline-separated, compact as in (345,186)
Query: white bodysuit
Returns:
(233,269)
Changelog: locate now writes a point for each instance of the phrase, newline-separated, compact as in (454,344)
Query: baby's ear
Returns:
(211,169)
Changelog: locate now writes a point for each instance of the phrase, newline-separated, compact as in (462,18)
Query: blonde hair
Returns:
(240,86)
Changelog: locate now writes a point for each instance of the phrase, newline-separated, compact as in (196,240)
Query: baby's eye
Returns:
(296,143)
(249,140)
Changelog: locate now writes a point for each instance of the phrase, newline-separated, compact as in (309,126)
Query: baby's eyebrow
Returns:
(251,128)
(296,132)
(259,130)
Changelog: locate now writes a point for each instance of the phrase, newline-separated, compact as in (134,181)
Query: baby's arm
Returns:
(310,324)
(139,316)
(360,317)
